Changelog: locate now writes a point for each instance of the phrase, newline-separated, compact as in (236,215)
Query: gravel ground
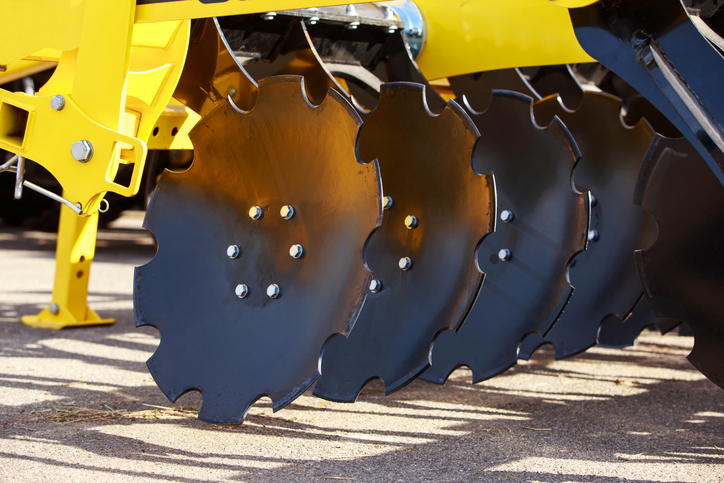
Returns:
(80,405)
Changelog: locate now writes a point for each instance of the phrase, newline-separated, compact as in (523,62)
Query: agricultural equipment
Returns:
(381,190)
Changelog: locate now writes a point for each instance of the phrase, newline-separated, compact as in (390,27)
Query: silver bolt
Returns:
(375,286)
(296,251)
(411,222)
(57,103)
(389,13)
(287,212)
(507,216)
(233,251)
(504,255)
(594,201)
(256,213)
(82,151)
(269,15)
(593,235)
(54,309)
(405,263)
(313,21)
(351,10)
(273,291)
(387,202)
(241,290)
(353,25)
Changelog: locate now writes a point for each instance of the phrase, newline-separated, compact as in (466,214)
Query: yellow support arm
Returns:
(478,35)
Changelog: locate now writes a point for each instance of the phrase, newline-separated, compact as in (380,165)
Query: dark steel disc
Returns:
(683,271)
(282,152)
(605,277)
(549,221)
(425,161)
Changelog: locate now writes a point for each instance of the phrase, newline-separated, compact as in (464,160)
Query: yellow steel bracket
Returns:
(31,128)
(478,35)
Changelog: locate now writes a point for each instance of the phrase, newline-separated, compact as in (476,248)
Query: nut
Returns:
(57,103)
(296,251)
(241,290)
(287,212)
(256,213)
(375,286)
(82,151)
(507,216)
(411,222)
(273,291)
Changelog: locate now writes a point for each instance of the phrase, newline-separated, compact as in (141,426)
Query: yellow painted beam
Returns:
(23,68)
(479,35)
(572,3)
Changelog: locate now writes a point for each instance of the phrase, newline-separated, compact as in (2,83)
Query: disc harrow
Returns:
(342,218)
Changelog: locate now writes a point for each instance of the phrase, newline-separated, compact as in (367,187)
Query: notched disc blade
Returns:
(605,277)
(283,152)
(426,168)
(527,292)
(683,271)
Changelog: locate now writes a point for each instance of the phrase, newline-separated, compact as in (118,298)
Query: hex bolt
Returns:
(411,222)
(296,251)
(387,202)
(256,213)
(313,21)
(57,103)
(504,255)
(269,16)
(375,286)
(287,212)
(593,235)
(233,251)
(594,201)
(54,309)
(405,263)
(241,290)
(507,216)
(82,151)
(273,291)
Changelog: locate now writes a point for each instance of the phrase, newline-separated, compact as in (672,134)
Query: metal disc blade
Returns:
(605,277)
(425,161)
(236,345)
(525,260)
(682,271)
